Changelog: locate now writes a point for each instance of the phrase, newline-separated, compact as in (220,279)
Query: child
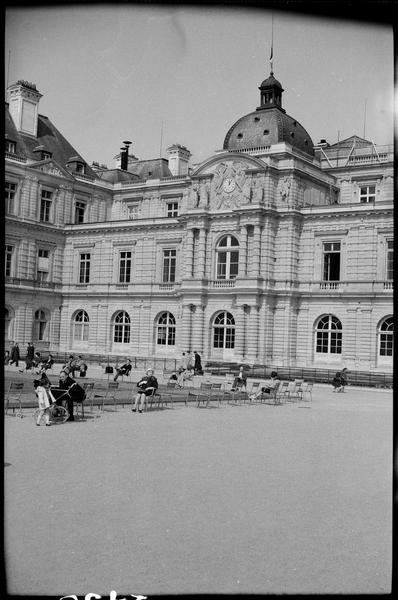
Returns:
(45,398)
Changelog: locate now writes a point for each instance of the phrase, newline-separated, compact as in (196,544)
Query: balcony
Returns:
(32,283)
(222,283)
(349,287)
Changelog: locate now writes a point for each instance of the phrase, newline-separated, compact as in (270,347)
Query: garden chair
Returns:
(108,396)
(216,393)
(203,394)
(13,398)
(89,389)
(154,398)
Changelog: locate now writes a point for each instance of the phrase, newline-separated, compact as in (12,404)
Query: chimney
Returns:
(124,156)
(178,159)
(23,99)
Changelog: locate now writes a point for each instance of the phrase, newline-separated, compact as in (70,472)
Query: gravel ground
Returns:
(293,499)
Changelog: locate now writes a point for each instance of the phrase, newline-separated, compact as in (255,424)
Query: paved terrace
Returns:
(260,499)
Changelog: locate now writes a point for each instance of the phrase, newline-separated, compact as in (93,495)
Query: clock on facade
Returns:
(228,185)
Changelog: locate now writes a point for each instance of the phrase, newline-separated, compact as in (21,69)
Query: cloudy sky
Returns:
(184,74)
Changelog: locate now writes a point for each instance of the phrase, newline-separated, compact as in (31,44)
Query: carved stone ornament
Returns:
(284,187)
(230,186)
(49,168)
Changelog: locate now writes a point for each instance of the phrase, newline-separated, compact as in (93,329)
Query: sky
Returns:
(159,75)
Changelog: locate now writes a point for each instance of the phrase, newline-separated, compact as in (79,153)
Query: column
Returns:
(243,251)
(256,250)
(201,253)
(252,334)
(198,328)
(185,329)
(240,328)
(189,254)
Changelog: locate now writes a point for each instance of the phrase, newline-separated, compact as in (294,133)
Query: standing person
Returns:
(45,398)
(75,392)
(240,380)
(123,369)
(197,364)
(15,356)
(30,354)
(146,386)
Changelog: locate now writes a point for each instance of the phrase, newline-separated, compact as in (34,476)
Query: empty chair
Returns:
(281,393)
(13,398)
(171,387)
(89,389)
(291,393)
(107,395)
(307,395)
(216,393)
(301,390)
(203,394)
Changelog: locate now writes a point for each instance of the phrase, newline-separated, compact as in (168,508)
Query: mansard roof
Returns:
(48,138)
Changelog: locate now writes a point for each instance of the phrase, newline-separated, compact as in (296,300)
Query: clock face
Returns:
(228,185)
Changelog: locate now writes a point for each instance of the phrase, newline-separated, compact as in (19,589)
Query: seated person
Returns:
(146,387)
(240,380)
(81,366)
(71,366)
(123,370)
(266,386)
(339,381)
(75,393)
(46,364)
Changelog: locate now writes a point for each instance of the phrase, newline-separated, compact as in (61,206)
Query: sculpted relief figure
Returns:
(284,188)
(194,195)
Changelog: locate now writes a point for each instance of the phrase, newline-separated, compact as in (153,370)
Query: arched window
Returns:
(386,337)
(166,330)
(80,326)
(329,335)
(227,257)
(121,334)
(40,325)
(224,331)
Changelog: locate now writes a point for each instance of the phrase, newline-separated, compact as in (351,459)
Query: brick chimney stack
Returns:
(23,99)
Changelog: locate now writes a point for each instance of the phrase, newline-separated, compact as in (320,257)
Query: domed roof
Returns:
(269,124)
(271,81)
(265,128)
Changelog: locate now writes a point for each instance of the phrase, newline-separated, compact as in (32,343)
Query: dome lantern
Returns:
(270,93)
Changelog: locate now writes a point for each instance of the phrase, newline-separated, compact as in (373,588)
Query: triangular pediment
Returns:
(51,167)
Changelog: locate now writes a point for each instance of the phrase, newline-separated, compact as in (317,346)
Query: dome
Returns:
(269,124)
(265,128)
(271,82)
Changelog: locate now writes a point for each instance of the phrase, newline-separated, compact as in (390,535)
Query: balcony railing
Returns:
(21,282)
(222,283)
(16,157)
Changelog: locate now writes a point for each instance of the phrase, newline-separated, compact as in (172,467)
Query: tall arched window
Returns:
(224,331)
(121,332)
(329,335)
(386,337)
(227,257)
(166,330)
(80,326)
(40,325)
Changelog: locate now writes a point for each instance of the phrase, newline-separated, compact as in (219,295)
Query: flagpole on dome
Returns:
(272,44)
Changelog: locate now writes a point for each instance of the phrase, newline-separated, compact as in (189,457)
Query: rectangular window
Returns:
(80,168)
(125,267)
(169,266)
(367,193)
(8,261)
(390,260)
(84,267)
(331,261)
(11,147)
(43,264)
(386,344)
(45,206)
(11,189)
(172,209)
(80,208)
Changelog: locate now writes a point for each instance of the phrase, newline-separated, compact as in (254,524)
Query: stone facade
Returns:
(268,256)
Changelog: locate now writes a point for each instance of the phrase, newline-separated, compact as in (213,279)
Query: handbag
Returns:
(108,369)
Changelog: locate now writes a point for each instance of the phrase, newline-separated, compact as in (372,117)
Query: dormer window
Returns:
(76,165)
(11,147)
(45,155)
(80,168)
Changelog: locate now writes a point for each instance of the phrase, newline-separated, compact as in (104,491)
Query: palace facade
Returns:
(272,251)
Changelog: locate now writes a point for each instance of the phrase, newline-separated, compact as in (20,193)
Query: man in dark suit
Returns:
(75,392)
